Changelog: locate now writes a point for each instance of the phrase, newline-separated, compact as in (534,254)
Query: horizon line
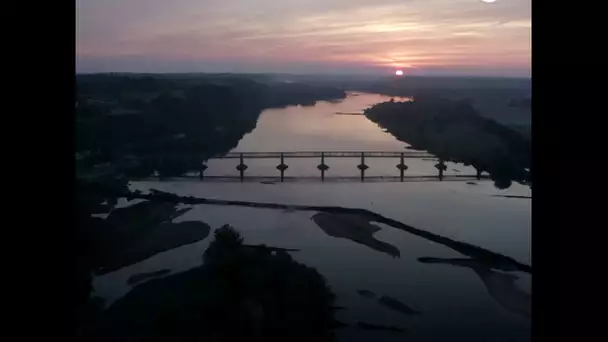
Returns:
(296,74)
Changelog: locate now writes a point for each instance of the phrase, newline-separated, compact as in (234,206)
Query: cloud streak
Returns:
(445,35)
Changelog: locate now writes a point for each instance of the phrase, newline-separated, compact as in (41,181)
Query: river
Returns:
(326,126)
(466,305)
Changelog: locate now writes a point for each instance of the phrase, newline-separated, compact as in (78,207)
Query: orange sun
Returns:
(399,72)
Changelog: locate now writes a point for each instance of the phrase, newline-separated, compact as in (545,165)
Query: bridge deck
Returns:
(332,179)
(328,154)
(323,167)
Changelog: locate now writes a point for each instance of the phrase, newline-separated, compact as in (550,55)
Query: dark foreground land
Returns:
(238,293)
(242,290)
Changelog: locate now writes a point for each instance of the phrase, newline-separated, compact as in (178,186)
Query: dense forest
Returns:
(239,292)
(141,124)
(507,101)
(454,131)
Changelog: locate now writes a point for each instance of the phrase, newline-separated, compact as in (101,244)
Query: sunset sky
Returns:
(423,37)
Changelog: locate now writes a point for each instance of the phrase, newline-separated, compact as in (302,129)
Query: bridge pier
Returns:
(322,167)
(401,171)
(201,171)
(401,166)
(441,167)
(282,167)
(241,167)
(362,166)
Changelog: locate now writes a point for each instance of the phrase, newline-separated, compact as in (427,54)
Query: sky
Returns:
(422,37)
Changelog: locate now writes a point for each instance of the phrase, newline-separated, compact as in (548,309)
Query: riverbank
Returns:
(454,131)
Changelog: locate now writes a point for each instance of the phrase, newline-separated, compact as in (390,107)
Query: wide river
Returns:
(455,301)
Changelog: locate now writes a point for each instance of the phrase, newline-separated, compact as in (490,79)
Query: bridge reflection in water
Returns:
(322,156)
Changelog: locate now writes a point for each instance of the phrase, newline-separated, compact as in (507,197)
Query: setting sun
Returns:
(399,72)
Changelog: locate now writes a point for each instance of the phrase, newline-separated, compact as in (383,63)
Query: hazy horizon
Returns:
(311,74)
(342,37)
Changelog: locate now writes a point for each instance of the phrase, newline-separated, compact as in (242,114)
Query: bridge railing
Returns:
(327,154)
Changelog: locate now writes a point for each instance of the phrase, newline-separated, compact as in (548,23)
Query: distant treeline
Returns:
(478,91)
(141,124)
(454,131)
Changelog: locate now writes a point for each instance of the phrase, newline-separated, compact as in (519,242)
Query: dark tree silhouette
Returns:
(454,131)
(239,293)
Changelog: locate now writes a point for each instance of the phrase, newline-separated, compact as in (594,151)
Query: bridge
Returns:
(324,156)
